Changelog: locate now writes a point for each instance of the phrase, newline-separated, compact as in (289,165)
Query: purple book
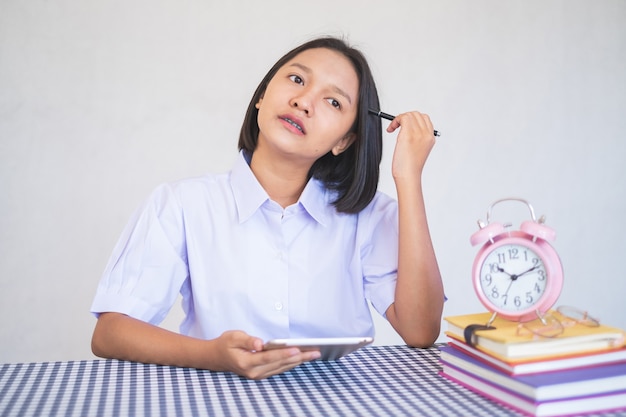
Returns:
(568,383)
(612,401)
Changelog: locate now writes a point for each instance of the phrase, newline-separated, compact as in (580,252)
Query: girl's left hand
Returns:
(415,140)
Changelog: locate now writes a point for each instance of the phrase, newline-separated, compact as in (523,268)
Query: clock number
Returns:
(529,296)
(513,253)
(488,280)
(542,274)
(494,267)
(517,301)
(501,258)
(495,293)
(537,288)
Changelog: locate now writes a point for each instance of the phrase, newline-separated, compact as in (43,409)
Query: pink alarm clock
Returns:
(517,274)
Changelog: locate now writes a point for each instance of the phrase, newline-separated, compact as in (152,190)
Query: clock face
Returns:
(513,278)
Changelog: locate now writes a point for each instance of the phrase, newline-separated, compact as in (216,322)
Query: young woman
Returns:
(295,241)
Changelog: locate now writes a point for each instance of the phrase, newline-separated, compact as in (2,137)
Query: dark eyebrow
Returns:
(335,88)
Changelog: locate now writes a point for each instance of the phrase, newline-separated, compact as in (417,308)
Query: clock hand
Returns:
(502,270)
(509,287)
(527,271)
(516,276)
(513,278)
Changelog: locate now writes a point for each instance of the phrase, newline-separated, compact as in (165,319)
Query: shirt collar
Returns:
(315,199)
(250,195)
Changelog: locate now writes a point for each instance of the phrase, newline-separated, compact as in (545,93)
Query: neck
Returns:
(283,180)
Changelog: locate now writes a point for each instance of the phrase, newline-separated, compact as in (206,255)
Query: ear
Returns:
(344,143)
(258,103)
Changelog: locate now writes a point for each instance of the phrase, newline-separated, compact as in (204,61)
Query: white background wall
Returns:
(100,101)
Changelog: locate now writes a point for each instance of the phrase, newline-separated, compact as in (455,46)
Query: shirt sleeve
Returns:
(379,253)
(148,265)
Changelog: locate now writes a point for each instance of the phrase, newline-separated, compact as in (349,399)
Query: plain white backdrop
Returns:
(100,101)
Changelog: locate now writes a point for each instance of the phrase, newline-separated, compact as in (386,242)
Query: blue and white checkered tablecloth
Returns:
(373,381)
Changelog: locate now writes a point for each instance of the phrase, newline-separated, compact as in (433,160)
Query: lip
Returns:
(293,123)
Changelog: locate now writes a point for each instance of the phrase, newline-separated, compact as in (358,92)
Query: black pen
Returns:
(391,117)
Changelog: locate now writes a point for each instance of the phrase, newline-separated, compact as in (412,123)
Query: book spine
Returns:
(485,389)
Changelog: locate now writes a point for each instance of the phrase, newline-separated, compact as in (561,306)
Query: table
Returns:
(373,381)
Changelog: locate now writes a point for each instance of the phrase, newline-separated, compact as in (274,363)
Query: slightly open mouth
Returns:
(294,124)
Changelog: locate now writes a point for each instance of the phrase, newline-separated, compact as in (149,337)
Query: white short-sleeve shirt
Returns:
(242,262)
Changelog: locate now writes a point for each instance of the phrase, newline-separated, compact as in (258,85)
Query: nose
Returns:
(302,103)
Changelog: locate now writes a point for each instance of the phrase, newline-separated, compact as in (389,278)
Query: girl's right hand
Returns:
(238,352)
(118,336)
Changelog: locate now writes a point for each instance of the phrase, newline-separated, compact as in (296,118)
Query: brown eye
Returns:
(296,79)
(334,103)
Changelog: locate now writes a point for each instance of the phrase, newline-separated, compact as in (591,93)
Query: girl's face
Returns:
(309,106)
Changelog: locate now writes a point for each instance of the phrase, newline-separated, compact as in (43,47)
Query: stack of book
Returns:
(582,370)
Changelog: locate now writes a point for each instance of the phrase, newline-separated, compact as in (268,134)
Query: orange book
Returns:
(505,342)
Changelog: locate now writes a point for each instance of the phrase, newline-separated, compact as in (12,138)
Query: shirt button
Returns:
(278,305)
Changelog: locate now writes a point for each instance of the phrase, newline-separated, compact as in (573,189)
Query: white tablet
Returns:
(331,348)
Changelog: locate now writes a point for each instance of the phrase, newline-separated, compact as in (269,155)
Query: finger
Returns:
(395,123)
(415,118)
(412,121)
(422,120)
(292,359)
(429,123)
(244,341)
(255,344)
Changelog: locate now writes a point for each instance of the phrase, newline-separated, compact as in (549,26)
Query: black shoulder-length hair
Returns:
(354,173)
